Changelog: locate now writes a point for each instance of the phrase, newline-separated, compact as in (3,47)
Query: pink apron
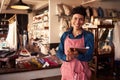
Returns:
(75,69)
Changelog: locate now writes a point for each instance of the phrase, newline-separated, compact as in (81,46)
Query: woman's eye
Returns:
(81,19)
(75,18)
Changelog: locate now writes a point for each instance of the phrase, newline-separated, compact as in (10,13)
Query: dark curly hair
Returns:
(79,10)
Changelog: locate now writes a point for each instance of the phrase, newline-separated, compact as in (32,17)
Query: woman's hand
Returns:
(72,53)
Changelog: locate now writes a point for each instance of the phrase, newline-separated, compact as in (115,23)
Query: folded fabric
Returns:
(52,63)
(100,12)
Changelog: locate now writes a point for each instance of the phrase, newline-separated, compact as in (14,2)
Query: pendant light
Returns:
(20,5)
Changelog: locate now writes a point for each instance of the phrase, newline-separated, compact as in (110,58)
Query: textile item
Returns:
(75,69)
(95,13)
(67,9)
(51,62)
(100,12)
(64,26)
(89,11)
(116,40)
(59,9)
(12,36)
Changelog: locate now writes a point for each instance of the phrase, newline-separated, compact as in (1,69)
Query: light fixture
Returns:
(20,5)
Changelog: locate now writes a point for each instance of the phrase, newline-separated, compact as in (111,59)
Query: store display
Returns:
(37,62)
(39,33)
(40,27)
(104,49)
(100,12)
(29,58)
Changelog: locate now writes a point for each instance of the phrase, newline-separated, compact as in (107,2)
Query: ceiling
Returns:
(6,12)
(34,4)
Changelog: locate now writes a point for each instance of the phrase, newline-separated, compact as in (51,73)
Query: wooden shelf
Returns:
(105,26)
(3,35)
(95,66)
(3,30)
(88,1)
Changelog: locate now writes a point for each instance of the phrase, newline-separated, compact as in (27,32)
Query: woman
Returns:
(76,48)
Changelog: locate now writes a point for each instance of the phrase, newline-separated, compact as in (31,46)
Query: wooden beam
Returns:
(4,5)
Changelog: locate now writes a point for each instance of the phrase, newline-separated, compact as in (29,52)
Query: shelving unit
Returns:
(4,29)
(40,28)
(101,57)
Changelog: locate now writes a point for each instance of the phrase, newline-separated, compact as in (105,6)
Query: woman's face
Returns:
(77,21)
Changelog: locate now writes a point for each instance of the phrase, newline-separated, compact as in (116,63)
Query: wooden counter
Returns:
(29,74)
(11,70)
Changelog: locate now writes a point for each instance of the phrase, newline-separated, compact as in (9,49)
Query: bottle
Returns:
(24,38)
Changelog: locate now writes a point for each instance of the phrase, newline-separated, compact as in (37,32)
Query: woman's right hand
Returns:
(72,53)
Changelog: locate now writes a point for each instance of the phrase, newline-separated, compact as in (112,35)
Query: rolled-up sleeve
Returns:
(60,52)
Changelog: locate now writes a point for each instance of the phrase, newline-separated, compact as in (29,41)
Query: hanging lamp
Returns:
(20,5)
